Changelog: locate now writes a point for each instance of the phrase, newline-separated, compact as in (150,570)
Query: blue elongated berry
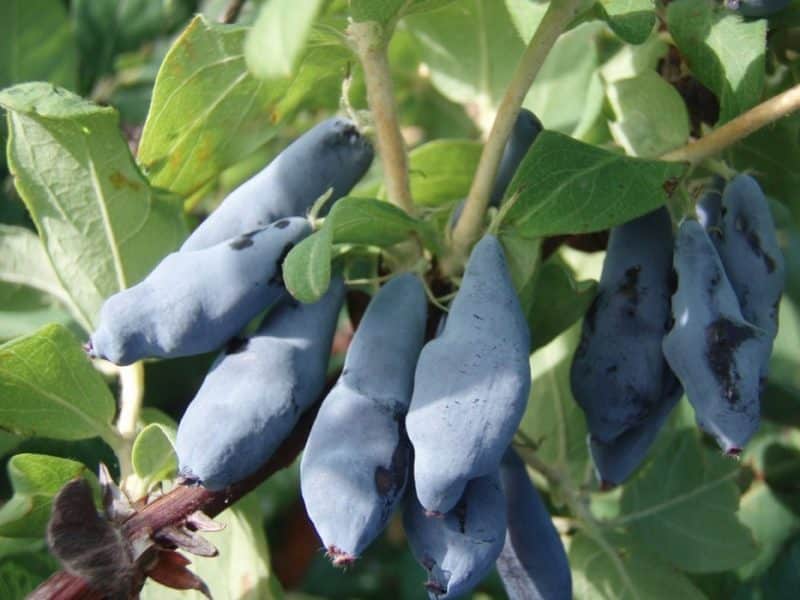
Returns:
(615,461)
(459,548)
(715,353)
(333,154)
(256,391)
(758,8)
(747,244)
(618,371)
(533,564)
(471,383)
(194,302)
(356,463)
(709,206)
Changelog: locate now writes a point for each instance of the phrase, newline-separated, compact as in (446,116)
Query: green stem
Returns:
(370,41)
(131,379)
(558,16)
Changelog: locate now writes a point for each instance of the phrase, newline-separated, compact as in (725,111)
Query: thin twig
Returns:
(370,41)
(232,11)
(555,20)
(739,128)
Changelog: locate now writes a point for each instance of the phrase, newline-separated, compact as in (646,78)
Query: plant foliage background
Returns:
(128,119)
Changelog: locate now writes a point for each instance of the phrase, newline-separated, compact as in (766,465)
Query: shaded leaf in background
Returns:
(275,43)
(208,112)
(441,171)
(36,479)
(724,52)
(782,580)
(683,506)
(566,186)
(37,43)
(384,11)
(19,575)
(242,570)
(30,293)
(616,570)
(105,28)
(553,419)
(651,116)
(471,49)
(50,389)
(101,224)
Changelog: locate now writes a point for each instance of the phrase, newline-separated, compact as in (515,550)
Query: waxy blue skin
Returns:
(747,244)
(331,154)
(471,383)
(194,302)
(256,391)
(526,128)
(758,8)
(618,371)
(459,548)
(715,353)
(533,564)
(615,461)
(709,206)
(356,462)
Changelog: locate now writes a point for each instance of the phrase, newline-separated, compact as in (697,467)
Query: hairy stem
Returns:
(739,128)
(555,20)
(370,41)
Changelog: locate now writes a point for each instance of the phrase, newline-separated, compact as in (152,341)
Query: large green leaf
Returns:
(208,112)
(683,507)
(724,52)
(566,186)
(385,11)
(36,479)
(276,41)
(101,224)
(242,571)
(37,43)
(615,570)
(651,116)
(50,389)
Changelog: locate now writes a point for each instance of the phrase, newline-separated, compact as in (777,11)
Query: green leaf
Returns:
(471,49)
(50,389)
(241,571)
(385,11)
(631,61)
(37,43)
(566,186)
(36,479)
(632,20)
(101,224)
(724,52)
(441,170)
(153,455)
(615,570)
(558,301)
(374,223)
(20,575)
(781,581)
(683,507)
(208,112)
(553,419)
(276,41)
(568,93)
(651,116)
(307,268)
